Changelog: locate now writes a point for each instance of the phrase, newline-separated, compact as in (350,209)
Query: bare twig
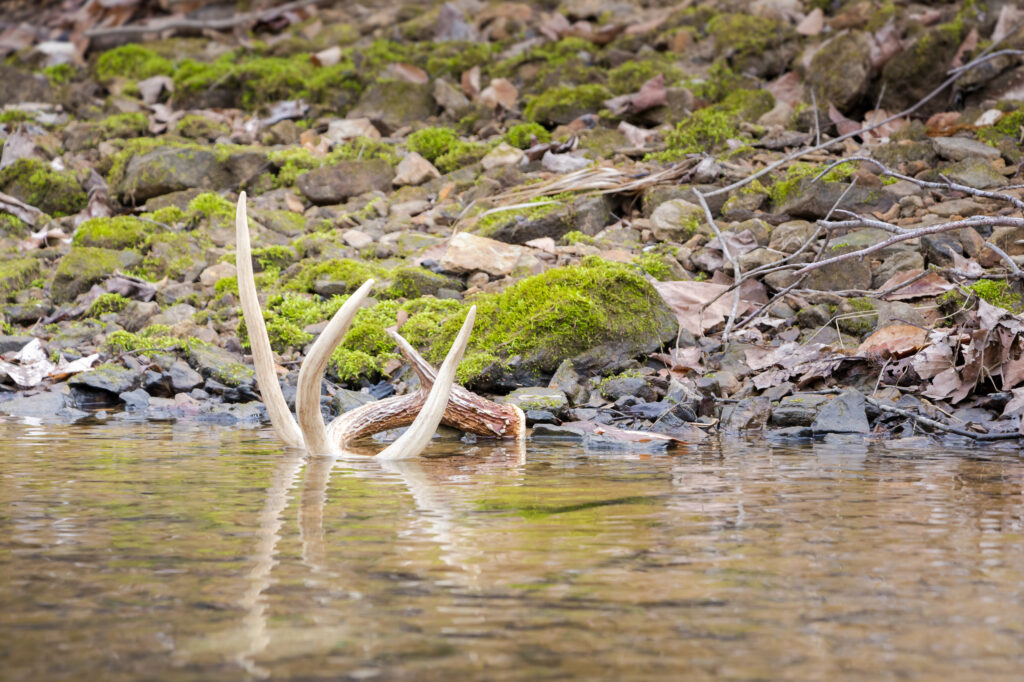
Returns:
(1006,259)
(727,252)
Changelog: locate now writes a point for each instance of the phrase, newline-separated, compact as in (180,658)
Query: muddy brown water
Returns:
(184,552)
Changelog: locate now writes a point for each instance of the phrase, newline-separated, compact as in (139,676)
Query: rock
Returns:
(790,236)
(500,93)
(900,261)
(538,398)
(18,86)
(815,200)
(10,344)
(469,253)
(52,406)
(393,104)
(843,414)
(567,381)
(562,433)
(334,184)
(414,170)
(614,388)
(911,73)
(936,249)
(345,400)
(587,215)
(181,312)
(182,377)
(676,220)
(840,71)
(110,378)
(414,282)
(799,409)
(449,98)
(215,273)
(539,417)
(219,364)
(357,239)
(137,314)
(749,414)
(342,130)
(85,266)
(975,172)
(502,155)
(135,401)
(960,148)
(759,257)
(171,169)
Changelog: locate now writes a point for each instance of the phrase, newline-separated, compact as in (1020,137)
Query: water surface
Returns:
(185,552)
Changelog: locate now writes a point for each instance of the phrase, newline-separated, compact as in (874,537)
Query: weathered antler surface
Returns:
(437,401)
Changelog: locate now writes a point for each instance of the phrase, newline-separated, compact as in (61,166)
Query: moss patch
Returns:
(520,135)
(57,193)
(123,232)
(133,62)
(566,103)
(16,274)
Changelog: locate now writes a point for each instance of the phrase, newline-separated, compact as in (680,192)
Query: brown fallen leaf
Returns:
(500,92)
(651,94)
(470,82)
(894,341)
(405,72)
(929,285)
(688,299)
(844,125)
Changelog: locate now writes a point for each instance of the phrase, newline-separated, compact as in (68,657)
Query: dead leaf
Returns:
(968,45)
(687,301)
(885,44)
(931,284)
(470,82)
(636,136)
(501,93)
(812,24)
(152,88)
(328,57)
(21,144)
(65,369)
(287,109)
(19,209)
(844,125)
(894,341)
(406,72)
(32,365)
(651,94)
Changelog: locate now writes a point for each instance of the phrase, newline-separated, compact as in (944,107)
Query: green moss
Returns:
(350,272)
(1009,126)
(292,162)
(198,127)
(130,124)
(261,80)
(273,256)
(430,143)
(557,314)
(654,265)
(997,293)
(745,38)
(107,303)
(859,316)
(709,128)
(133,62)
(720,82)
(629,76)
(168,215)
(154,337)
(57,193)
(519,135)
(413,282)
(59,74)
(576,237)
(15,116)
(565,103)
(212,205)
(532,210)
(225,285)
(16,274)
(123,232)
(783,189)
(13,226)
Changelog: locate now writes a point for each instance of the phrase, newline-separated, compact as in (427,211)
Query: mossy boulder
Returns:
(334,184)
(171,169)
(760,46)
(123,232)
(18,85)
(413,282)
(107,377)
(79,135)
(840,71)
(218,364)
(57,193)
(912,73)
(85,266)
(600,314)
(17,274)
(565,104)
(392,104)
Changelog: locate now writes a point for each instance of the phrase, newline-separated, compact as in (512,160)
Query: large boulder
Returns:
(393,104)
(172,169)
(840,71)
(334,184)
(85,266)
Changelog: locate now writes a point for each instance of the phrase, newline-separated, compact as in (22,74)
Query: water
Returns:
(175,552)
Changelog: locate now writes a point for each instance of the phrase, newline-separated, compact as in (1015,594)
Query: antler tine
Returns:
(307,396)
(262,356)
(417,436)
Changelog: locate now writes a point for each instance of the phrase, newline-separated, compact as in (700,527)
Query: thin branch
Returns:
(727,252)
(1006,259)
(939,425)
